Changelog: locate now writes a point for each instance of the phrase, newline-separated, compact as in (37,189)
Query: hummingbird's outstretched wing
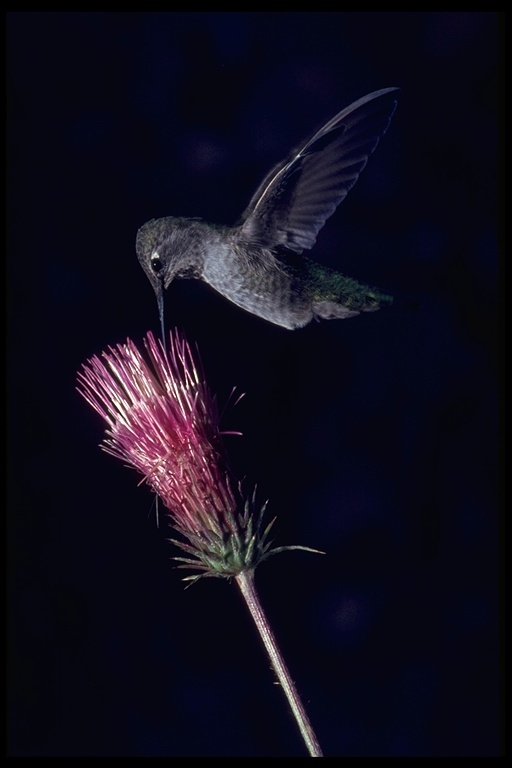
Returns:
(296,198)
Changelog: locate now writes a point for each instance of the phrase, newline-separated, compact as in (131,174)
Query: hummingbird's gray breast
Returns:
(257,281)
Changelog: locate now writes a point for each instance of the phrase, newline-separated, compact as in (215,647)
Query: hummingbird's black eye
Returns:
(156,263)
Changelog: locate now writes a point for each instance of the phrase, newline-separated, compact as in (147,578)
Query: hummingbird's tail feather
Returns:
(335,296)
(330,310)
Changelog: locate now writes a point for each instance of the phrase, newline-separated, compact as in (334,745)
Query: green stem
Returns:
(245,581)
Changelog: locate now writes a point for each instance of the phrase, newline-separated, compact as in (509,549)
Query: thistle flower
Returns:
(163,421)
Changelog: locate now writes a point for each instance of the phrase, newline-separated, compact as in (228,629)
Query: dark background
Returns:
(375,439)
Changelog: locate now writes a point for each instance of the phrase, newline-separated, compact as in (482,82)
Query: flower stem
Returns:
(245,581)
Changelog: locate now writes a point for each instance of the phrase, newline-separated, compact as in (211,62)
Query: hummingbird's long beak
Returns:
(159,290)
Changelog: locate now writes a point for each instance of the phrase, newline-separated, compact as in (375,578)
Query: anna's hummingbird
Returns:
(258,263)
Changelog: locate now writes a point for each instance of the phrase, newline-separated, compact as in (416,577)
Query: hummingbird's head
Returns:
(161,247)
(157,251)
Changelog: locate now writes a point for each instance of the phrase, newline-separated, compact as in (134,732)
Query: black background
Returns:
(375,439)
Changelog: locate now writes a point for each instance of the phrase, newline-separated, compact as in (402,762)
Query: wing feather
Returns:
(296,198)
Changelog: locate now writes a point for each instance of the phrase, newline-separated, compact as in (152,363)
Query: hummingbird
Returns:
(258,264)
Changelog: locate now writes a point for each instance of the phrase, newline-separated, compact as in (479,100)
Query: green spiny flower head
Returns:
(163,421)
